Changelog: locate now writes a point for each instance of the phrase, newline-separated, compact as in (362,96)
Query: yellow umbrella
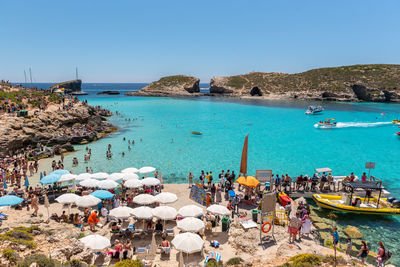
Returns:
(249,181)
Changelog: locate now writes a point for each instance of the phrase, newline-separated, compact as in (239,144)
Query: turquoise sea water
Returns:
(281,138)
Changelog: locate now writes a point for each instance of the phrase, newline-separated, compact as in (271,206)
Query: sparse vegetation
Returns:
(129,263)
(19,235)
(10,255)
(39,259)
(234,261)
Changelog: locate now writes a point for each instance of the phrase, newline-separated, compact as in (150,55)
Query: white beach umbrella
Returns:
(130,176)
(87,201)
(67,177)
(165,213)
(100,175)
(144,199)
(107,184)
(91,183)
(190,224)
(188,242)
(96,242)
(130,170)
(83,176)
(150,181)
(121,212)
(67,198)
(218,209)
(146,169)
(133,183)
(190,211)
(142,212)
(116,176)
(166,197)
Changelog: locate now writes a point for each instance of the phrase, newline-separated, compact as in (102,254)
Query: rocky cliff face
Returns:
(178,85)
(70,86)
(376,83)
(78,124)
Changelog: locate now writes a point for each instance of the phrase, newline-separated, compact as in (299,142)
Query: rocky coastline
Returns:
(59,125)
(356,83)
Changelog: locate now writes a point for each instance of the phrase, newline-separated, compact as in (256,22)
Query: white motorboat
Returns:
(311,110)
(327,124)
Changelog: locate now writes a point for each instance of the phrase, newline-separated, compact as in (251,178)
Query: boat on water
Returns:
(398,133)
(396,121)
(326,124)
(196,133)
(352,203)
(311,110)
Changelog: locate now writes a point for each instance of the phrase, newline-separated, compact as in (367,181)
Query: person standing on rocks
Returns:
(35,205)
(62,157)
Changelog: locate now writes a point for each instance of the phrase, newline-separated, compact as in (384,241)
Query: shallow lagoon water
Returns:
(281,138)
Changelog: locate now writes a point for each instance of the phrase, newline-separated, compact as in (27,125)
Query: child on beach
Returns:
(349,246)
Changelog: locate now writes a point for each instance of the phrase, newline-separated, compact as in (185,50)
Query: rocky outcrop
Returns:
(178,85)
(375,83)
(78,124)
(69,86)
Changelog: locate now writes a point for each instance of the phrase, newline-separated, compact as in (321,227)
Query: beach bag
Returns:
(387,255)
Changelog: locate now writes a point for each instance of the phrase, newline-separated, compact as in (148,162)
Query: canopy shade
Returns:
(107,184)
(190,224)
(89,183)
(165,213)
(67,198)
(116,176)
(10,200)
(319,170)
(190,211)
(144,199)
(87,201)
(59,172)
(121,212)
(249,181)
(100,175)
(130,176)
(150,181)
(143,212)
(102,194)
(67,177)
(84,176)
(50,179)
(218,209)
(188,242)
(166,197)
(133,183)
(146,169)
(96,242)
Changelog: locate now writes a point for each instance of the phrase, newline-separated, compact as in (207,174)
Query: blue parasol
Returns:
(59,172)
(50,179)
(26,181)
(10,200)
(102,194)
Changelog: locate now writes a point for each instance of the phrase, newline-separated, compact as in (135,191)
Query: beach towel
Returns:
(212,256)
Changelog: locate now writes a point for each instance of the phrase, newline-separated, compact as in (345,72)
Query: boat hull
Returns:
(325,201)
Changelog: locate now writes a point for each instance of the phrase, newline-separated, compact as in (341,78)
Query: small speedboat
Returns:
(398,133)
(311,110)
(326,124)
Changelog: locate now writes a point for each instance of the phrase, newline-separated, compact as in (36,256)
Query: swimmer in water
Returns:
(172,140)
(129,141)
(129,147)
(133,142)
(123,153)
(124,139)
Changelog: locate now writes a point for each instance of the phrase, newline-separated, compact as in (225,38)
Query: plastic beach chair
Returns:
(212,256)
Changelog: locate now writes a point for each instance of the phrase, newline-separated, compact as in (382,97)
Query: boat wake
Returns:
(359,124)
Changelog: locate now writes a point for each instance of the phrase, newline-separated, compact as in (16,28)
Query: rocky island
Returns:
(29,117)
(177,85)
(374,83)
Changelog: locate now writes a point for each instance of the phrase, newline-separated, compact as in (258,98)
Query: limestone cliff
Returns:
(177,85)
(69,86)
(376,83)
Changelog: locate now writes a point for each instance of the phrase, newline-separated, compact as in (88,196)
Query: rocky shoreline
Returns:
(370,83)
(57,127)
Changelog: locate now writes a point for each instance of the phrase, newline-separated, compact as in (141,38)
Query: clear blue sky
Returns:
(140,41)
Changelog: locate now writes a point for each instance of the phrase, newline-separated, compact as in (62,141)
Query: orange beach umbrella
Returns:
(249,181)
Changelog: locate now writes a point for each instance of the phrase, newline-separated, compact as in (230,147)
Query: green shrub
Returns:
(214,263)
(74,263)
(41,260)
(81,235)
(300,259)
(19,235)
(129,263)
(234,261)
(10,255)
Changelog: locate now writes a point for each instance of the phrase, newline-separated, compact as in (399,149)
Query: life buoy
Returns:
(263,227)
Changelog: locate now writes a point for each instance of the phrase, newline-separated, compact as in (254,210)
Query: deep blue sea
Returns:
(281,138)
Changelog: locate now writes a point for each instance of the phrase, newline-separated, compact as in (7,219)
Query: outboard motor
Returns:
(396,203)
(391,199)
